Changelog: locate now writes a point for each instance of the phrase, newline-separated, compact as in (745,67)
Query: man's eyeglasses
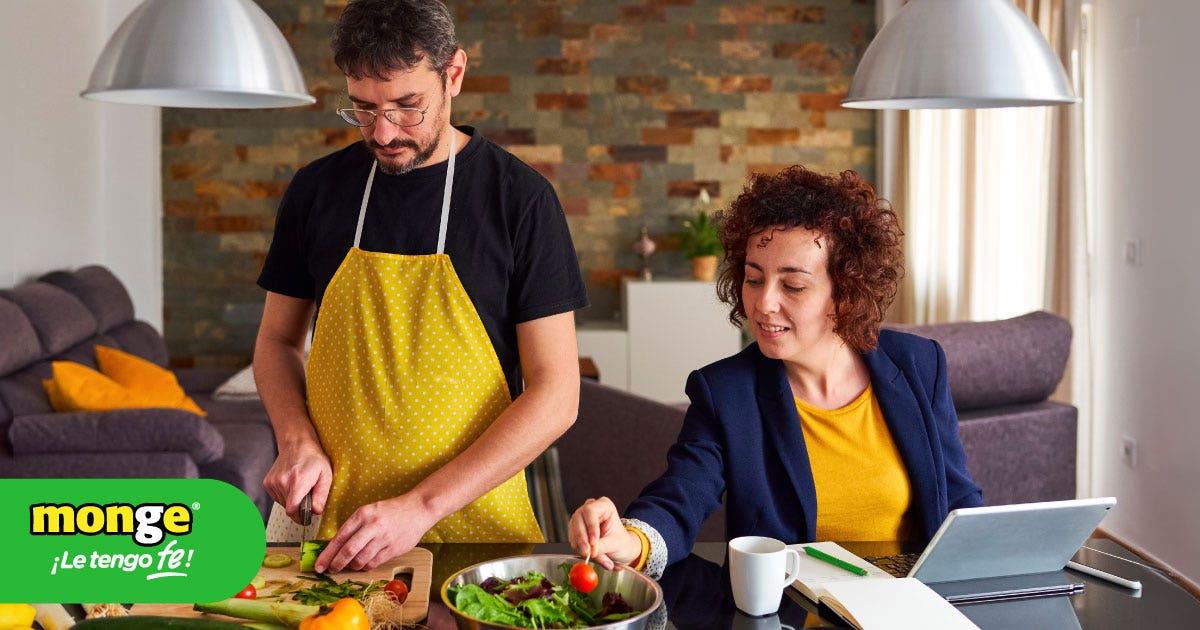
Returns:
(403,116)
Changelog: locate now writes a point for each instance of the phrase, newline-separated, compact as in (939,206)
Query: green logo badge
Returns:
(128,540)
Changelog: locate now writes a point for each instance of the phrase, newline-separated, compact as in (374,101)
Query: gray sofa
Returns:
(64,315)
(1020,446)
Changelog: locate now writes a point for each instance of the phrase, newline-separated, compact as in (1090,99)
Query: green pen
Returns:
(837,562)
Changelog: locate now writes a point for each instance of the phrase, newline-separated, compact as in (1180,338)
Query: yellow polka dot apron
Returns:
(401,378)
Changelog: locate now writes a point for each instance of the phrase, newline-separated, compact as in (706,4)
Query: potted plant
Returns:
(700,244)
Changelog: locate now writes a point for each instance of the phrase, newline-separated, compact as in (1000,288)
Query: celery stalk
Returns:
(271,612)
(53,617)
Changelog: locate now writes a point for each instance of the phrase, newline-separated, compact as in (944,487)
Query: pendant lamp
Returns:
(198,53)
(958,54)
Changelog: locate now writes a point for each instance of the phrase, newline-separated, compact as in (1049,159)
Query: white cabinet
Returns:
(671,327)
(605,344)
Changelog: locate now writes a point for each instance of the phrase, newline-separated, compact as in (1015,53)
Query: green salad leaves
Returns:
(533,601)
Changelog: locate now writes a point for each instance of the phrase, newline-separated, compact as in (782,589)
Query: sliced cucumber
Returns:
(277,560)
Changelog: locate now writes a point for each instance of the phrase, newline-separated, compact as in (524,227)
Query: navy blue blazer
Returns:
(741,437)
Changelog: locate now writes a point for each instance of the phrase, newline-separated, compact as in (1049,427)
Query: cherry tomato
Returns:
(583,577)
(248,593)
(397,589)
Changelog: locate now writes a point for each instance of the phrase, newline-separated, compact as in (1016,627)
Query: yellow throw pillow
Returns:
(76,387)
(56,400)
(148,384)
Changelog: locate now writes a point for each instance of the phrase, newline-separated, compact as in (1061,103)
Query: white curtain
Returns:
(978,213)
(986,198)
(995,207)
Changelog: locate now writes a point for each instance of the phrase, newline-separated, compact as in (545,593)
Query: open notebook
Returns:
(876,600)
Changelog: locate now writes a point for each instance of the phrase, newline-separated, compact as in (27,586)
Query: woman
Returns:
(826,428)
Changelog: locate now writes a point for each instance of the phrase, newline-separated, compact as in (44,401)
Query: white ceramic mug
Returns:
(759,569)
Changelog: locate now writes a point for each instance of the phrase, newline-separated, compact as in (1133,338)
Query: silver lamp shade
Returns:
(958,54)
(198,53)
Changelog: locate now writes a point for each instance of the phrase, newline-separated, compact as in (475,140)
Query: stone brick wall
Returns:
(629,108)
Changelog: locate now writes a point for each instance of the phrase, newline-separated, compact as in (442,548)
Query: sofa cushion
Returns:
(116,465)
(146,382)
(99,290)
(60,319)
(21,346)
(137,430)
(76,387)
(22,391)
(83,353)
(1021,453)
(140,338)
(1009,361)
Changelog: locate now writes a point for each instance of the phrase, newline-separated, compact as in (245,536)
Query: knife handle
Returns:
(306,510)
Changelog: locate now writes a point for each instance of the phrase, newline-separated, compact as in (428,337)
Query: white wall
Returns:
(80,180)
(1146,341)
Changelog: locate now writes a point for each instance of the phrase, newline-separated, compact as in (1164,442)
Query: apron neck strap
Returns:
(362,209)
(441,248)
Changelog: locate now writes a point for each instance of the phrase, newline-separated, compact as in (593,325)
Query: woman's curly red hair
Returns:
(863,233)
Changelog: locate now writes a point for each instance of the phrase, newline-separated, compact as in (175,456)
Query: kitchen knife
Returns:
(306,514)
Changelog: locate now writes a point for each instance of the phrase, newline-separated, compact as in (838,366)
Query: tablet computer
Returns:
(1004,541)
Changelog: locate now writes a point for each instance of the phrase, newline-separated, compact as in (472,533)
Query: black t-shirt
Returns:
(506,234)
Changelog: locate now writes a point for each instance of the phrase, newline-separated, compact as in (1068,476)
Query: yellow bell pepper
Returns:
(346,614)
(16,615)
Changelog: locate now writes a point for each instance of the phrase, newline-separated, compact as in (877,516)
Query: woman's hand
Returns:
(596,530)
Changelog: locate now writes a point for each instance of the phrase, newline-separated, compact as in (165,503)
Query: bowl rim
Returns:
(658,593)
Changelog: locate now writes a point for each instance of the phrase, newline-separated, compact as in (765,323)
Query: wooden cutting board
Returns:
(417,563)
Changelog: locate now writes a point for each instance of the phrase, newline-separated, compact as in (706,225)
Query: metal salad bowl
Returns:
(639,591)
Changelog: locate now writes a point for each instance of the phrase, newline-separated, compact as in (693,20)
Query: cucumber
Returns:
(147,622)
(276,560)
(309,550)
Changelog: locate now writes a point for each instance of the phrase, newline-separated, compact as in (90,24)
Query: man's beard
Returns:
(390,166)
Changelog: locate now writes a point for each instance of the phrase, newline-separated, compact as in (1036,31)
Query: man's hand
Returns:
(596,530)
(376,533)
(297,471)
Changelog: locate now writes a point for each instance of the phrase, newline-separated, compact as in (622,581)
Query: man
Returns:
(443,279)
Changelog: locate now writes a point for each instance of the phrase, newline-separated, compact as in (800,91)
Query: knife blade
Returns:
(306,515)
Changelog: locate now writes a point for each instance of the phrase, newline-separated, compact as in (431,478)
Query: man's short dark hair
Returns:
(379,37)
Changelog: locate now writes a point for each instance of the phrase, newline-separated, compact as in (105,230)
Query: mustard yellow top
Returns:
(863,492)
